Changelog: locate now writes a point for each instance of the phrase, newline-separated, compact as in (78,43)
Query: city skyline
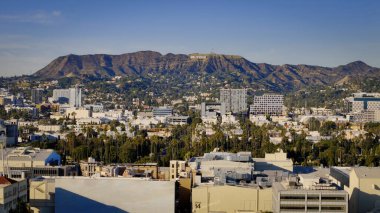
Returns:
(325,33)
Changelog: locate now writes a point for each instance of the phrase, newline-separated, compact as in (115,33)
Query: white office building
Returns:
(267,104)
(363,102)
(72,96)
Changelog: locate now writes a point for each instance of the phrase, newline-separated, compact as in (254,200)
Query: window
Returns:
(292,207)
(332,198)
(333,208)
(312,208)
(292,197)
(313,197)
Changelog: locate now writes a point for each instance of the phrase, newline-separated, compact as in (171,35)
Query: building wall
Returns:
(41,195)
(231,199)
(10,193)
(113,195)
(364,193)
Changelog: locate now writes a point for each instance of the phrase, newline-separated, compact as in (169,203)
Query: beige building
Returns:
(41,195)
(49,128)
(274,161)
(28,157)
(231,199)
(178,169)
(78,113)
(10,192)
(364,189)
(89,168)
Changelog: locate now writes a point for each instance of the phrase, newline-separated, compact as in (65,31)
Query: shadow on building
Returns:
(67,201)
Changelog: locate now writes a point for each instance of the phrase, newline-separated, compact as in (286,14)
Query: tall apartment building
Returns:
(36,95)
(72,96)
(235,100)
(267,104)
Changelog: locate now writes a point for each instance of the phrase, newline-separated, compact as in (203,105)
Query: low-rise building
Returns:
(312,194)
(49,128)
(11,192)
(162,111)
(178,169)
(90,167)
(21,158)
(177,120)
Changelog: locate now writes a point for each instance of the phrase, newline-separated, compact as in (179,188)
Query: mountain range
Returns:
(210,68)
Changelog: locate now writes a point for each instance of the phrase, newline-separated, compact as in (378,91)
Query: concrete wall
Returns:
(231,199)
(113,195)
(364,193)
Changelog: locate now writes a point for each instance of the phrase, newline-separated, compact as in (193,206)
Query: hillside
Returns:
(214,69)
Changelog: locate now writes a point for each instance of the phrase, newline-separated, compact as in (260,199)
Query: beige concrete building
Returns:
(41,195)
(274,161)
(10,192)
(364,189)
(28,157)
(49,128)
(78,113)
(231,199)
(178,169)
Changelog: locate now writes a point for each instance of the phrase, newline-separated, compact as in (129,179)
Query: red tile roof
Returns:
(7,181)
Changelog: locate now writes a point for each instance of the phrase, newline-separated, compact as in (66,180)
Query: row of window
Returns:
(312,197)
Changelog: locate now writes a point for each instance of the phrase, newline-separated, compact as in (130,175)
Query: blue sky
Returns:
(316,32)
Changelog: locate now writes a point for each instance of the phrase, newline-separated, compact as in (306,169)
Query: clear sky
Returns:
(316,32)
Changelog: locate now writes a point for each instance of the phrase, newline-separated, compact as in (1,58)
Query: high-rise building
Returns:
(36,95)
(267,104)
(235,100)
(9,132)
(72,96)
(75,97)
